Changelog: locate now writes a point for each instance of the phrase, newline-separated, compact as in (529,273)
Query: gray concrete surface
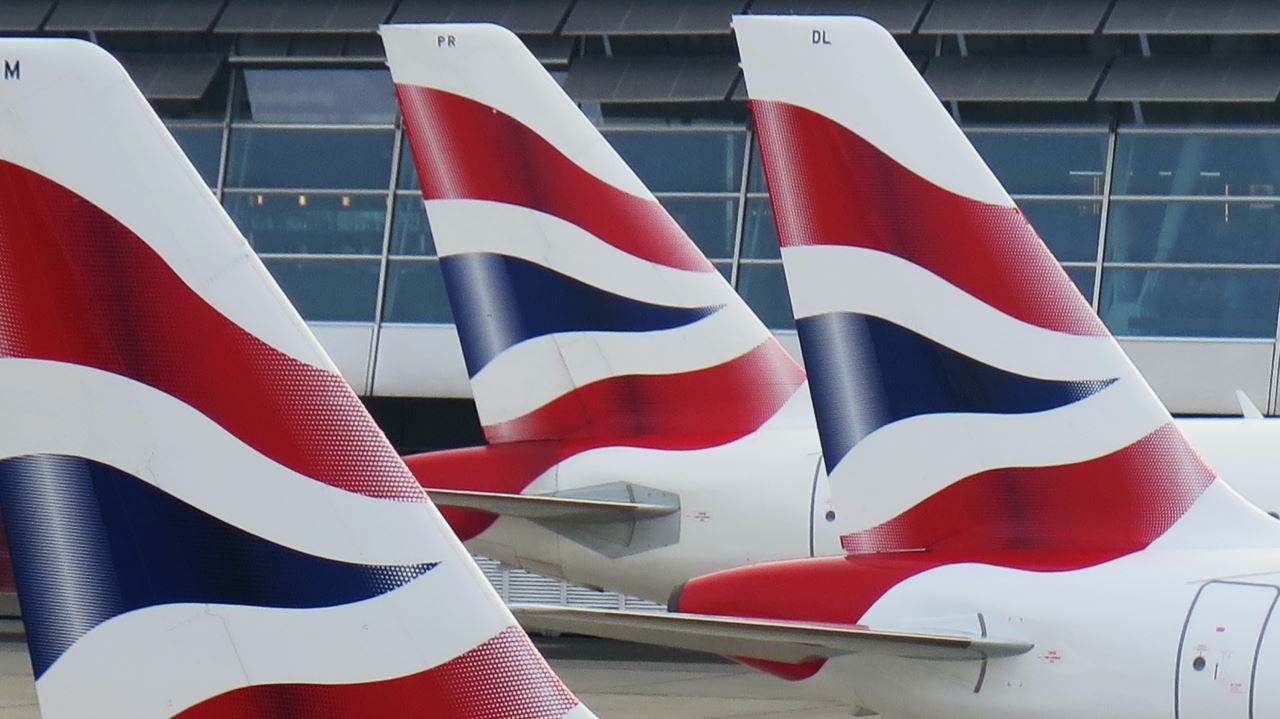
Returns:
(17,689)
(617,682)
(682,690)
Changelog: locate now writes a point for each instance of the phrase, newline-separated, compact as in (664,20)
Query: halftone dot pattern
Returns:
(466,150)
(489,295)
(870,372)
(80,287)
(503,678)
(690,410)
(1118,503)
(92,542)
(829,186)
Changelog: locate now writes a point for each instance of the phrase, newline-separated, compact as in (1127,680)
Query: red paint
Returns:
(830,590)
(782,670)
(469,151)
(1035,519)
(8,584)
(505,468)
(78,286)
(694,410)
(504,678)
(839,590)
(832,187)
(1119,503)
(691,410)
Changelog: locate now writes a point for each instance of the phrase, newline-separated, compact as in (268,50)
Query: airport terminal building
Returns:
(1141,138)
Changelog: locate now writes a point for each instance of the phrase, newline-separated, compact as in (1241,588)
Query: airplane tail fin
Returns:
(203,519)
(585,312)
(967,396)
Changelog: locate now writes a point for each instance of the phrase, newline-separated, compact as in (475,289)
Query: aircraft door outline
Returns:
(1219,648)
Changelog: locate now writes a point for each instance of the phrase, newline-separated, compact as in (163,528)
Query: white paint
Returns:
(862,81)
(488,64)
(473,226)
(1202,527)
(537,371)
(154,662)
(744,502)
(52,407)
(836,278)
(905,462)
(348,345)
(77,119)
(1106,638)
(753,494)
(425,360)
(1246,454)
(1223,630)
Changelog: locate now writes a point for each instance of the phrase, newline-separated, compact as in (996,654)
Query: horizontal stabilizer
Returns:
(568,270)
(544,507)
(758,639)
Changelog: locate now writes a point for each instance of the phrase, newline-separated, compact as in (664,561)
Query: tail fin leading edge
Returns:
(585,312)
(968,398)
(203,519)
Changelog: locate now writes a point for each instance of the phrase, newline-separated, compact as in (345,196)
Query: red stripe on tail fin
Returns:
(1118,503)
(830,187)
(702,408)
(504,678)
(464,150)
(78,286)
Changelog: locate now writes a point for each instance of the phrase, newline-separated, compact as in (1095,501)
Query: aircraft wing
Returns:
(544,507)
(767,640)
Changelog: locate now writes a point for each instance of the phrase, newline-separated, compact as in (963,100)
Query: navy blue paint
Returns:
(90,542)
(867,372)
(499,301)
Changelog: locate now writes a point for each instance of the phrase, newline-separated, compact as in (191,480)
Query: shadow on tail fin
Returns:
(203,519)
(968,398)
(585,312)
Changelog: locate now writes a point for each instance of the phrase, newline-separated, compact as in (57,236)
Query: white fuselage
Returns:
(765,497)
(1183,621)
(1244,452)
(761,498)
(1109,643)
(1110,627)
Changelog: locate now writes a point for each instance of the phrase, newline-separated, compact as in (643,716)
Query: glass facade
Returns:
(1168,233)
(1192,246)
(696,174)
(1057,176)
(1168,230)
